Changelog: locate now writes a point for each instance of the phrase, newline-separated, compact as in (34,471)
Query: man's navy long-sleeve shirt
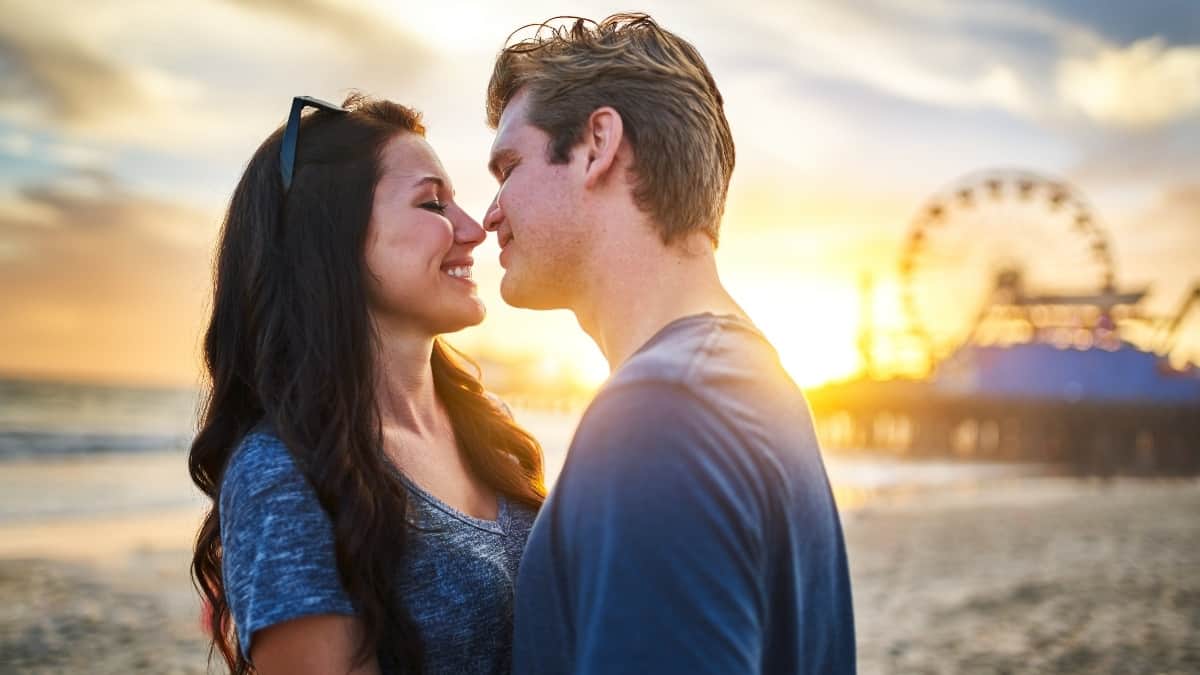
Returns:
(692,529)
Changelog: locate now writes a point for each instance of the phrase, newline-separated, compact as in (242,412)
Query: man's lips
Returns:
(505,253)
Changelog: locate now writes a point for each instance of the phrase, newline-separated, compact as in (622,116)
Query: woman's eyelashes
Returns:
(438,207)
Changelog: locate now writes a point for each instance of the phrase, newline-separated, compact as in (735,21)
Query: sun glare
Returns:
(813,327)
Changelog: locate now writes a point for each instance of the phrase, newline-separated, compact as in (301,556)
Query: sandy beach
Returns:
(1036,575)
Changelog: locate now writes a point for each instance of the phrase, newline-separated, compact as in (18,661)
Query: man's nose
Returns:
(494,217)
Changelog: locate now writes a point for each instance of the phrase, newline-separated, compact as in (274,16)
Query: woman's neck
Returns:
(404,390)
(418,436)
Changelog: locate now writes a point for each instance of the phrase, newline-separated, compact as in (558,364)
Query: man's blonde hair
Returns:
(669,104)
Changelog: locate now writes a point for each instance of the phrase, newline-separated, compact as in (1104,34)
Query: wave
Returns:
(17,445)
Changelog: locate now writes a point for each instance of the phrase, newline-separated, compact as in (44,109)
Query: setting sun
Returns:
(812,326)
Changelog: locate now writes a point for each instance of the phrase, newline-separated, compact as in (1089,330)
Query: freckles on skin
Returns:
(538,216)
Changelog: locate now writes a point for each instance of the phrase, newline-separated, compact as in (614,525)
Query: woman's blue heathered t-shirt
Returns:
(279,563)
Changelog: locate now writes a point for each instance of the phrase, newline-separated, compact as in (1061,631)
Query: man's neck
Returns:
(645,288)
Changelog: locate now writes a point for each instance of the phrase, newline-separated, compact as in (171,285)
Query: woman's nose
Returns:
(467,230)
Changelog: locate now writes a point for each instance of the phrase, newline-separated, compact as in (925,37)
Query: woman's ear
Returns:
(603,134)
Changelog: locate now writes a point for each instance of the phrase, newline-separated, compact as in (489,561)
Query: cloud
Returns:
(16,145)
(1186,200)
(1127,158)
(1144,84)
(1169,229)
(372,38)
(59,72)
(1157,243)
(68,79)
(94,201)
(112,283)
(75,156)
(928,52)
(166,78)
(980,55)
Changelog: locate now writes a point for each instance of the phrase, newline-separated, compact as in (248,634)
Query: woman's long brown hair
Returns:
(290,343)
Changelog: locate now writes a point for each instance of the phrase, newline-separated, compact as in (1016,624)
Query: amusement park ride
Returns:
(1079,377)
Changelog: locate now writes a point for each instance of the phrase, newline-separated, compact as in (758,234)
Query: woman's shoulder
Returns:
(278,551)
(261,465)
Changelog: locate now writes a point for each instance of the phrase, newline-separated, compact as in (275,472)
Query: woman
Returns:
(370,501)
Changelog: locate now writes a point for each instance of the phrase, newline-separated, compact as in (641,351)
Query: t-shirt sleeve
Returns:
(661,530)
(279,561)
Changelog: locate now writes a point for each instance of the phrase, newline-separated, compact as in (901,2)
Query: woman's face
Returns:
(419,243)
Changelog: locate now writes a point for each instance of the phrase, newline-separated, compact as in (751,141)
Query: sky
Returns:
(124,127)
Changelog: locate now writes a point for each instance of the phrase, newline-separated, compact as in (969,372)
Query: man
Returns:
(692,529)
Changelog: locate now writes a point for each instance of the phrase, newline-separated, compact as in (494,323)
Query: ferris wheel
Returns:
(981,241)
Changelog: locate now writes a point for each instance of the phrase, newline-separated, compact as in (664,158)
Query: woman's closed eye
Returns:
(436,206)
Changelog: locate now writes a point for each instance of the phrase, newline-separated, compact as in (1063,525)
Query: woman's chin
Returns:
(465,317)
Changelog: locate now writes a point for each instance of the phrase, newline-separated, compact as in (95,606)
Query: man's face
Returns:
(536,215)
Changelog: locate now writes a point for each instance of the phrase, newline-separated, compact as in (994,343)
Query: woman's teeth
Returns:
(463,272)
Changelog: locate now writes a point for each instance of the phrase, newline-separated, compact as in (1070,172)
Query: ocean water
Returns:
(71,451)
(46,420)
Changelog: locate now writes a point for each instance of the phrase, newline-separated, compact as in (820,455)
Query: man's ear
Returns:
(603,133)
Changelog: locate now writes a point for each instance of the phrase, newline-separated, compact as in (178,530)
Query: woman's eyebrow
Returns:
(430,179)
(437,181)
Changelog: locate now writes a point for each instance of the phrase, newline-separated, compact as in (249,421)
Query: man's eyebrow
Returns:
(499,157)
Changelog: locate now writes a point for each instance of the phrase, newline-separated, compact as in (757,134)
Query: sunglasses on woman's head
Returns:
(287,153)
